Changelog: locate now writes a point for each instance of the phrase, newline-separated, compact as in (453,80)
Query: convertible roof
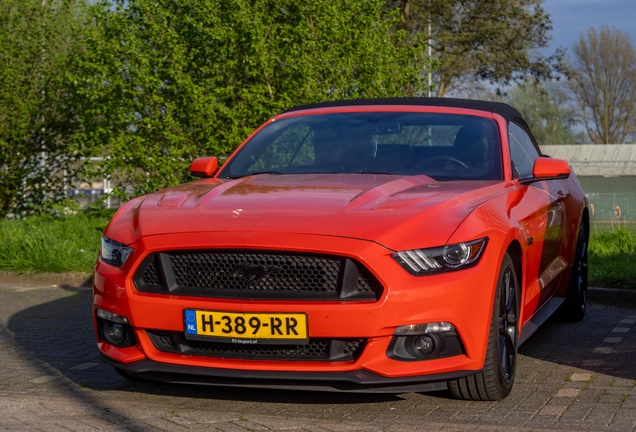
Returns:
(504,110)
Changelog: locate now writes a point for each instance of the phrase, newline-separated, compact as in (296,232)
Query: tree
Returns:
(547,107)
(493,40)
(604,84)
(38,152)
(165,81)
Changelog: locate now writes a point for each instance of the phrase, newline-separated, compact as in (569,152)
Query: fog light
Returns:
(115,329)
(114,333)
(425,346)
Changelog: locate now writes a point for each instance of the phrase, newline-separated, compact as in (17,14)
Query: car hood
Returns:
(398,212)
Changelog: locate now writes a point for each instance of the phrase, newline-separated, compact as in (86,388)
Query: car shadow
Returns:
(604,342)
(59,335)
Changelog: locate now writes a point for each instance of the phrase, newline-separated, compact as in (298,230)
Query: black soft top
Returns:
(504,110)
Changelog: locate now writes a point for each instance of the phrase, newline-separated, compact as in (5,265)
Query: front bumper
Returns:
(463,298)
(359,381)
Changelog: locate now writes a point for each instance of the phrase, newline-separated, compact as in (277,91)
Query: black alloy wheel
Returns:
(508,326)
(575,304)
(495,381)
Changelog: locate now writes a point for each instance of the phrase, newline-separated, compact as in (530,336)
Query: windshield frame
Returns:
(498,172)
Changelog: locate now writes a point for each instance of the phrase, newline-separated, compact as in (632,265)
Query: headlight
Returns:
(115,253)
(441,259)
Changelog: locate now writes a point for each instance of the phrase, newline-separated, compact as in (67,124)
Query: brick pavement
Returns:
(571,376)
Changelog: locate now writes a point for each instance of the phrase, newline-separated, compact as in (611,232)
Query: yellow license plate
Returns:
(246,327)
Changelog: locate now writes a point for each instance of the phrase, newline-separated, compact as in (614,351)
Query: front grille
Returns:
(314,350)
(227,271)
(257,274)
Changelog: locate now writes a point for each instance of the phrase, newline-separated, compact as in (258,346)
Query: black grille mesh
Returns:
(257,274)
(366,281)
(151,276)
(231,271)
(315,349)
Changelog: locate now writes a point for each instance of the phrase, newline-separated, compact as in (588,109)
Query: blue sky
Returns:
(570,18)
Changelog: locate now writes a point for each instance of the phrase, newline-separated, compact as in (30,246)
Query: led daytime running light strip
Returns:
(441,259)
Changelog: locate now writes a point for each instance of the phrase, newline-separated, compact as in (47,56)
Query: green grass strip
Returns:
(50,244)
(612,259)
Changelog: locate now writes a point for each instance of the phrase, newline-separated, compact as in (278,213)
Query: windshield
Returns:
(441,146)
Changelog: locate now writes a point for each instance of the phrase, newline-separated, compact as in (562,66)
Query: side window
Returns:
(294,147)
(522,151)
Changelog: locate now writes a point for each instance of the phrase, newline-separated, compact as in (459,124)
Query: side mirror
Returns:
(547,169)
(204,167)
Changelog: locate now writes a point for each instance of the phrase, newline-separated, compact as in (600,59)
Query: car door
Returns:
(541,216)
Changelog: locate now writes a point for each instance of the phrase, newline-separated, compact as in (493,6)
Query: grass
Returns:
(612,259)
(51,243)
(71,243)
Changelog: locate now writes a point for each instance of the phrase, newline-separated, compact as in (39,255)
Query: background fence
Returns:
(608,176)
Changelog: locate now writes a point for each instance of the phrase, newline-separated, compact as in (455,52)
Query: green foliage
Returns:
(165,81)
(39,128)
(547,108)
(66,243)
(493,40)
(611,259)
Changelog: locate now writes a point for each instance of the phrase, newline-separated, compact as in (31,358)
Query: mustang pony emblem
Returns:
(250,273)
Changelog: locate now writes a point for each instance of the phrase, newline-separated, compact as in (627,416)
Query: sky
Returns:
(571,18)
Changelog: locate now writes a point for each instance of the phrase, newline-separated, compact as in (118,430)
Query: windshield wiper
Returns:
(376,172)
(254,173)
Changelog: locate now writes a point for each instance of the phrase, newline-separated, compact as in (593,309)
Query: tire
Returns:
(575,304)
(495,381)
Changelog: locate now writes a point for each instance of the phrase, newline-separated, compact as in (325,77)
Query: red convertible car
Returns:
(381,245)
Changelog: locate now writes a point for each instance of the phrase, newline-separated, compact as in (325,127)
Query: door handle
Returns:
(561,196)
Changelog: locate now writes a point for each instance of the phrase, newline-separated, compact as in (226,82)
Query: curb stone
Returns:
(612,297)
(47,280)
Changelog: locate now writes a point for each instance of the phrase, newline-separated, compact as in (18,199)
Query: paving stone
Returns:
(581,376)
(85,366)
(567,393)
(574,414)
(592,363)
(624,382)
(553,410)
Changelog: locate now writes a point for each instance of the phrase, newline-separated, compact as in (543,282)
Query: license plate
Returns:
(246,328)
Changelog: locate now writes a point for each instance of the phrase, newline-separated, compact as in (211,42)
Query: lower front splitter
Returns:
(359,381)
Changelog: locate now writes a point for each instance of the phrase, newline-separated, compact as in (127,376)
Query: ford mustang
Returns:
(379,245)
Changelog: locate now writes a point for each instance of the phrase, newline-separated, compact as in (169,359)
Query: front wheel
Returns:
(495,381)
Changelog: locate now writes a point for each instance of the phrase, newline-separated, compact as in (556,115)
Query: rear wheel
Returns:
(495,381)
(575,305)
